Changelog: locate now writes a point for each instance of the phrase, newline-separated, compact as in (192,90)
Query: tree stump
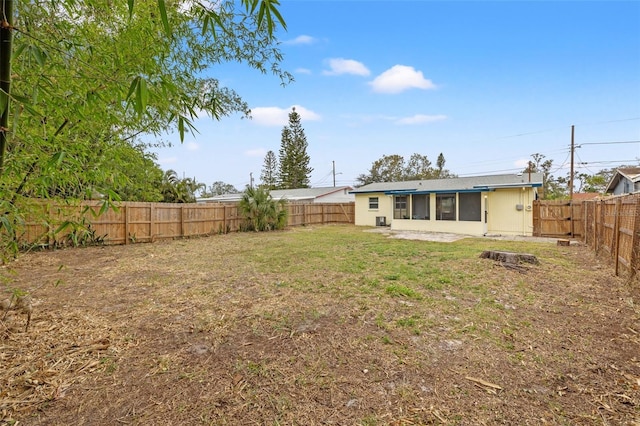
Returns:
(509,258)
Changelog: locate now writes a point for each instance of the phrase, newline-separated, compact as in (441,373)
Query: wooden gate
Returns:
(558,218)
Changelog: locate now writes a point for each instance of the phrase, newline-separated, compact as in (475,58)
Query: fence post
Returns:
(571,216)
(593,208)
(126,224)
(635,249)
(50,238)
(182,221)
(151,221)
(602,223)
(616,235)
(224,218)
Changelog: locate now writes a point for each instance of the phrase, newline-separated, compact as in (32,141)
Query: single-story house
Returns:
(333,194)
(625,181)
(477,205)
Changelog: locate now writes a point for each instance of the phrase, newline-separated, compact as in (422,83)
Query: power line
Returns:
(606,143)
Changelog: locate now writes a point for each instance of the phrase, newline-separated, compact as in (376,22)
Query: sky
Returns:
(487,84)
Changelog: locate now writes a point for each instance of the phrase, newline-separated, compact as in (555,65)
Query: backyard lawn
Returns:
(320,325)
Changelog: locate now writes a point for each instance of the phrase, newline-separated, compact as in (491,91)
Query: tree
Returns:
(552,188)
(294,170)
(219,188)
(441,172)
(419,167)
(261,212)
(81,80)
(393,168)
(269,174)
(176,190)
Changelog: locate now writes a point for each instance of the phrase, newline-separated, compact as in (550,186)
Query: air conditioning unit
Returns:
(381,221)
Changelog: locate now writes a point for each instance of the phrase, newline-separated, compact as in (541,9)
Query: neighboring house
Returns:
(340,194)
(479,205)
(625,181)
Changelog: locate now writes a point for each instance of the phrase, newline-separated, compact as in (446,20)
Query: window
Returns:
(373,203)
(470,206)
(420,207)
(446,207)
(400,207)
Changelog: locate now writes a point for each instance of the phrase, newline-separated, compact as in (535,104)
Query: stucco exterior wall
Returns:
(501,205)
(504,218)
(366,216)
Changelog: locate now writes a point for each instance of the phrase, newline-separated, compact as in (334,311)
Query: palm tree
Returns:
(261,212)
(176,190)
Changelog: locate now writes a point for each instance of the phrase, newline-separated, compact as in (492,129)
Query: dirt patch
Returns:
(320,326)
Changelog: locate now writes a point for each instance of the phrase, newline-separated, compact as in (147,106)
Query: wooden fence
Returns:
(610,226)
(613,230)
(145,222)
(557,219)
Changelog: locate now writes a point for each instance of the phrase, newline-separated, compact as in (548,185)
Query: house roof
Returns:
(585,196)
(306,193)
(631,173)
(299,194)
(459,184)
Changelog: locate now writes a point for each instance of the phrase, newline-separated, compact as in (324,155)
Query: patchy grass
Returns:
(320,325)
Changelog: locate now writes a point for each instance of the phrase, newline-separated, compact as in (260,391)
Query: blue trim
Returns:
(479,188)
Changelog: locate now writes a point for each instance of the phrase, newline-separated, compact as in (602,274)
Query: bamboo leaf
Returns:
(131,4)
(142,95)
(277,14)
(38,54)
(205,24)
(132,87)
(181,120)
(26,104)
(164,18)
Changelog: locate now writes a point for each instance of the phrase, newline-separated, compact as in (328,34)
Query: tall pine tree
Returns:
(294,170)
(269,174)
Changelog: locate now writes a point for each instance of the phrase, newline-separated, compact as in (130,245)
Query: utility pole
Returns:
(571,180)
(334,173)
(251,180)
(571,174)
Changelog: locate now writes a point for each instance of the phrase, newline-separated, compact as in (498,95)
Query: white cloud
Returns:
(192,146)
(400,78)
(275,116)
(346,66)
(301,39)
(421,119)
(257,152)
(302,71)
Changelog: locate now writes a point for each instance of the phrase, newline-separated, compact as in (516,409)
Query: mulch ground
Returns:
(182,333)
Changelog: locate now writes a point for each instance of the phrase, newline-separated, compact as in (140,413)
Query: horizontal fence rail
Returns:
(53,223)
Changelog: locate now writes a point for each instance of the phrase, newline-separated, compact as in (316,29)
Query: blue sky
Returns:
(485,83)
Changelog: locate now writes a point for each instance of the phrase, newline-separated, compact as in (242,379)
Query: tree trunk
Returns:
(6,40)
(508,257)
